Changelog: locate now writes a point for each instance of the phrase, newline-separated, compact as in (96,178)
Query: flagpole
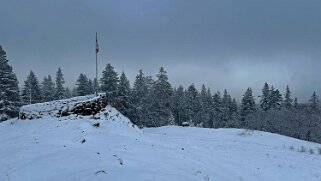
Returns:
(96,66)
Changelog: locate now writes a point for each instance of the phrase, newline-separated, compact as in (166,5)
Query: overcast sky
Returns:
(230,44)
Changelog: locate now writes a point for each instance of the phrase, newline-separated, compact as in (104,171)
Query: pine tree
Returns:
(123,94)
(149,82)
(179,105)
(161,101)
(233,106)
(232,121)
(193,105)
(203,96)
(140,88)
(48,88)
(91,89)
(287,101)
(265,97)
(226,112)
(9,91)
(82,85)
(60,90)
(275,99)
(139,100)
(210,109)
(217,109)
(248,106)
(109,83)
(314,102)
(31,92)
(205,108)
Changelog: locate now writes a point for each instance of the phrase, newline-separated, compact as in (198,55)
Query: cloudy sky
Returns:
(228,44)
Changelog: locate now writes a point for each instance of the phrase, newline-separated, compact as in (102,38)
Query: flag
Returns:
(97,47)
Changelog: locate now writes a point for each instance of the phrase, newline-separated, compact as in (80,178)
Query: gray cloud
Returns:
(223,43)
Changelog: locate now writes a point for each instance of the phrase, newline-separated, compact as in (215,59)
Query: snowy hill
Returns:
(78,148)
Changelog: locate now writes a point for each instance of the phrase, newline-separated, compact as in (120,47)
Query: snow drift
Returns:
(108,146)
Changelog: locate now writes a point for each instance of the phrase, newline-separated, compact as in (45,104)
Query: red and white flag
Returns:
(97,47)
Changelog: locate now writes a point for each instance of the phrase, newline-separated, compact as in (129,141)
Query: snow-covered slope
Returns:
(76,148)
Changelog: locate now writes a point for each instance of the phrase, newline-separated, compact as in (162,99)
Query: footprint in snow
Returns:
(100,172)
(119,160)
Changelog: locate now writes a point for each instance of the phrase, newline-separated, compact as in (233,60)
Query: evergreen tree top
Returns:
(3,56)
(180,88)
(192,90)
(314,102)
(124,82)
(162,75)
(60,90)
(288,100)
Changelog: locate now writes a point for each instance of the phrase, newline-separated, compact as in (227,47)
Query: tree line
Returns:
(155,102)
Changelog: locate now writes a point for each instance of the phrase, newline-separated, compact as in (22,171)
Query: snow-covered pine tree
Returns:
(31,92)
(233,121)
(233,106)
(123,94)
(205,106)
(149,82)
(226,112)
(275,99)
(193,105)
(9,91)
(60,90)
(160,108)
(288,100)
(272,98)
(139,100)
(48,88)
(82,85)
(209,124)
(109,83)
(265,97)
(179,105)
(217,109)
(314,103)
(91,89)
(248,106)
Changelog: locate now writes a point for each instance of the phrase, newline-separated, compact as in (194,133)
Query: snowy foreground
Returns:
(71,148)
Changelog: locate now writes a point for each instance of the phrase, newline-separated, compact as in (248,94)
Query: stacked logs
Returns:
(86,108)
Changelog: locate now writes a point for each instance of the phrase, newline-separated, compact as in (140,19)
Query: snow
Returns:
(71,148)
